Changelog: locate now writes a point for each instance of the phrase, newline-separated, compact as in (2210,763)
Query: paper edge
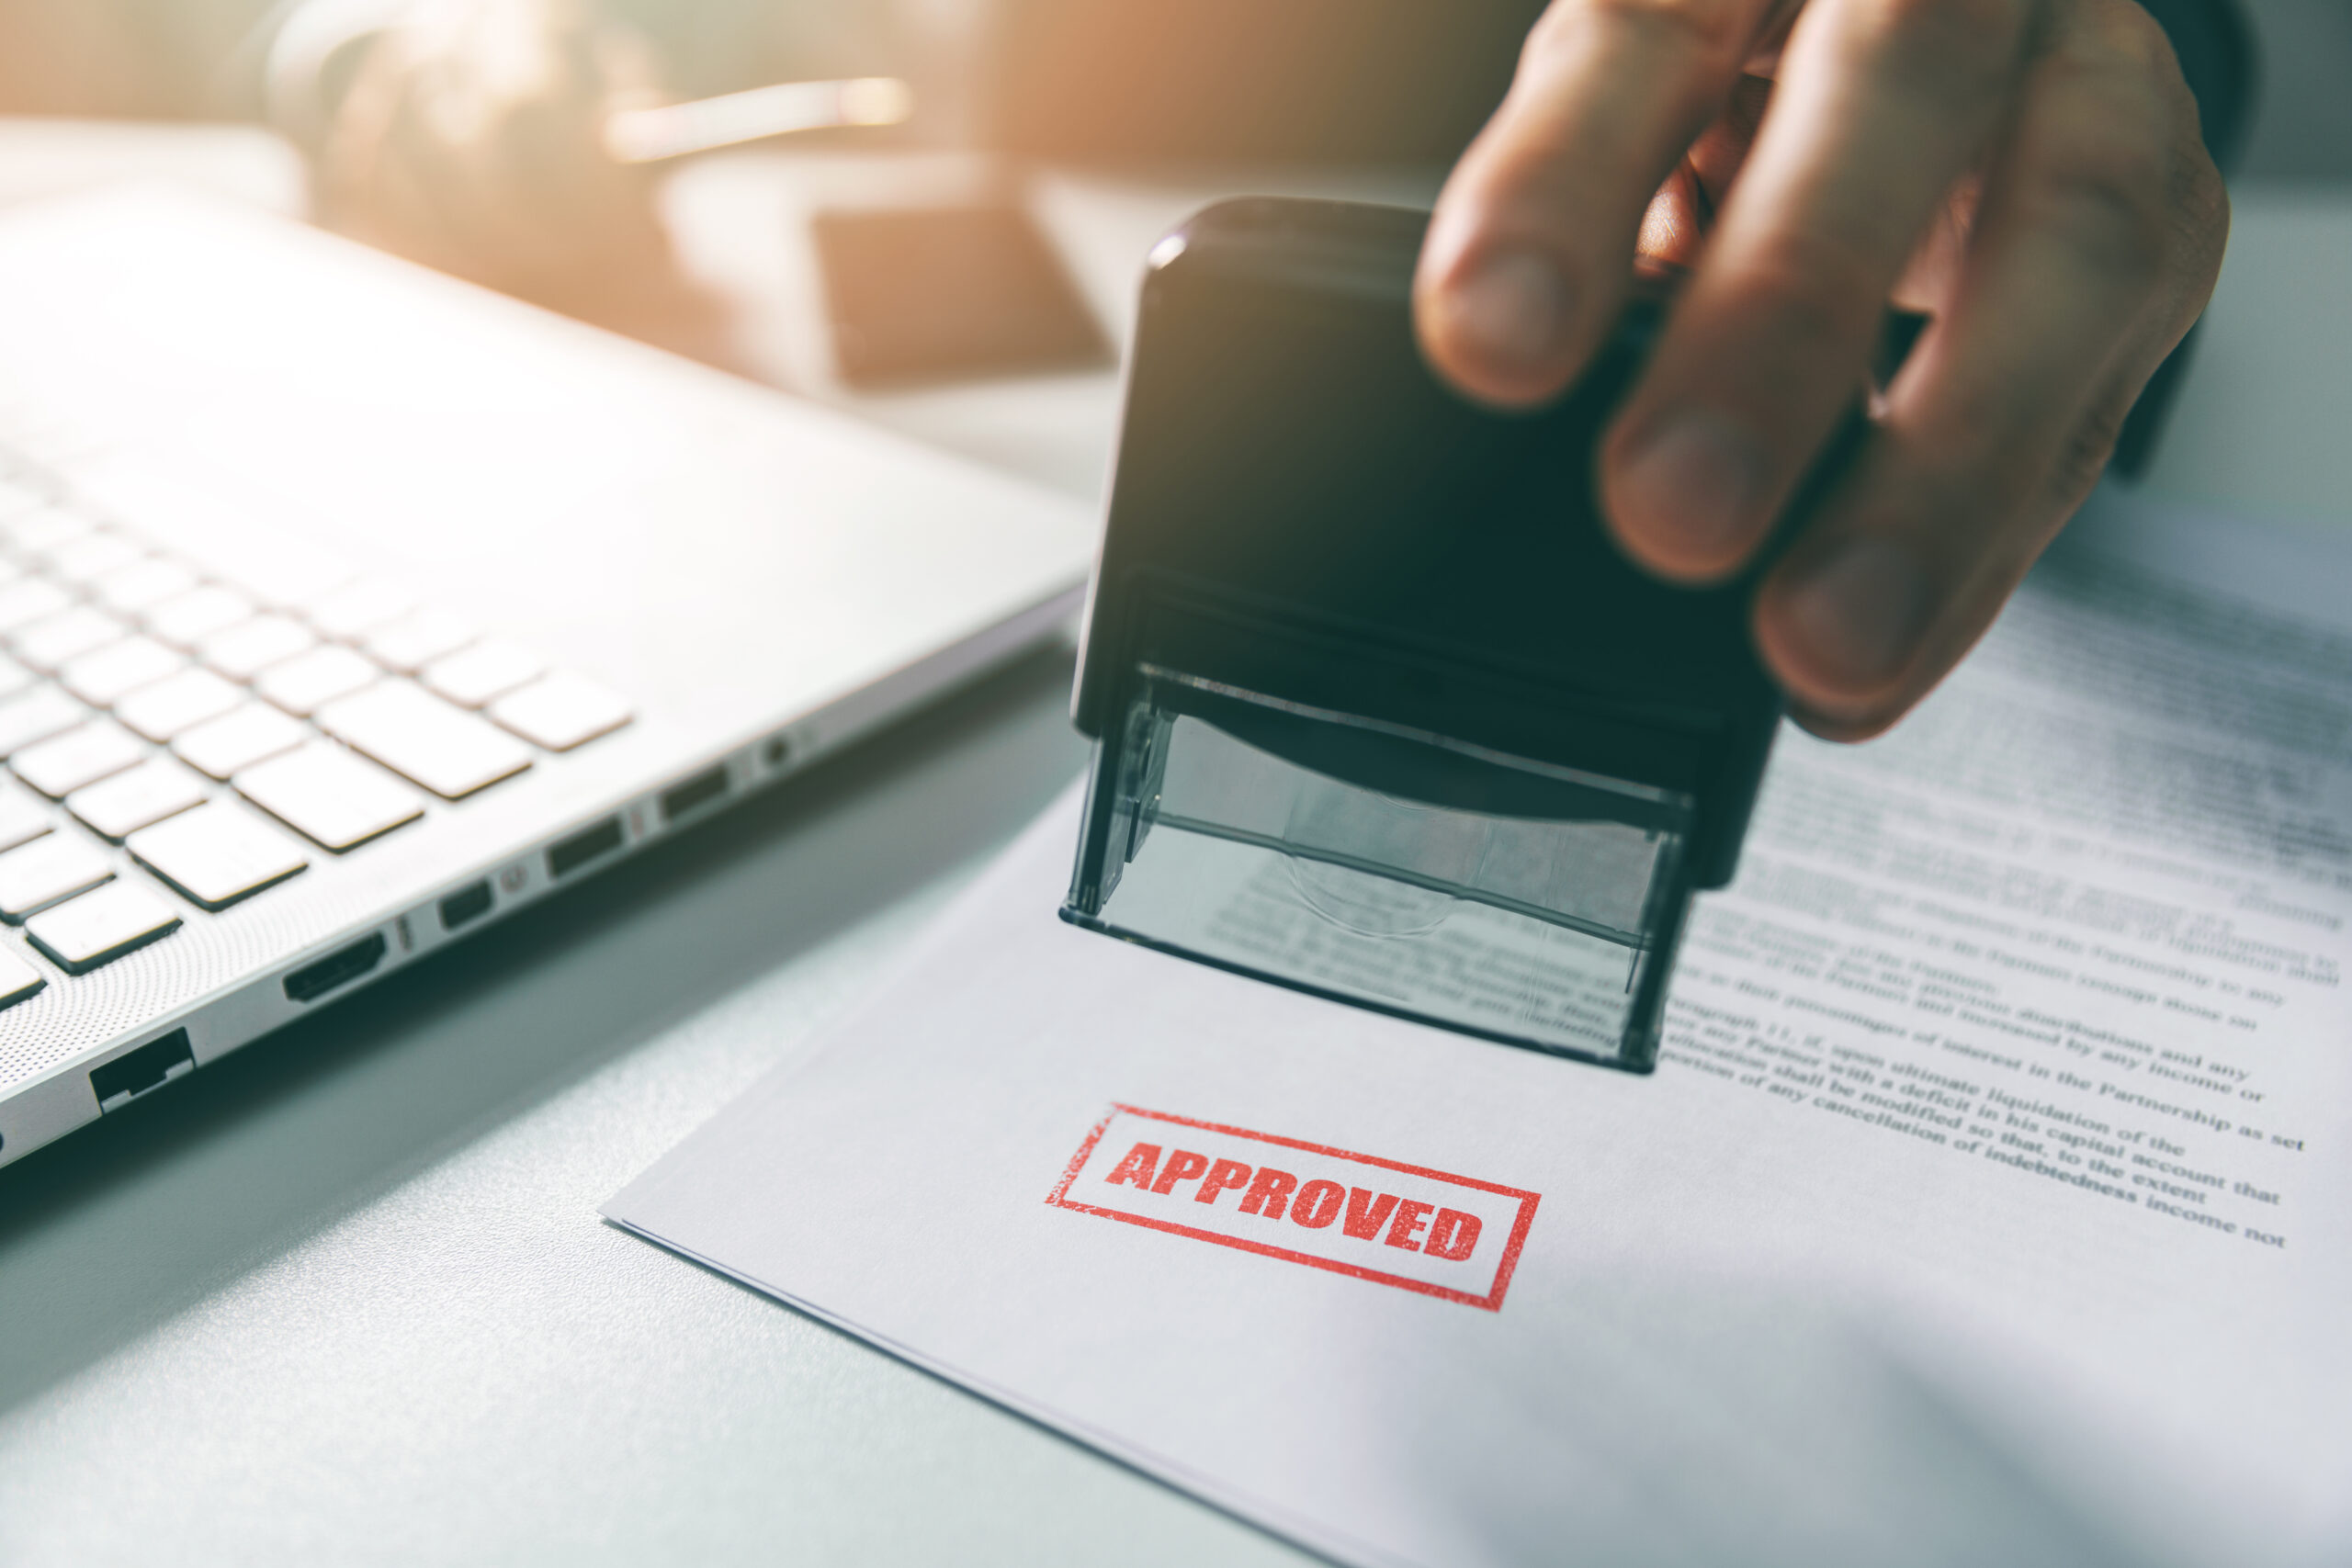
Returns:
(1184,1482)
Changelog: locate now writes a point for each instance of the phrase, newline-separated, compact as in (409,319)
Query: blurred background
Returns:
(1058,138)
(1107,79)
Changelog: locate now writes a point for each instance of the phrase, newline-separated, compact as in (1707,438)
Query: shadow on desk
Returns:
(106,1234)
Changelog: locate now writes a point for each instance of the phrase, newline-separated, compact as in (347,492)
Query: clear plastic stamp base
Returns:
(1550,930)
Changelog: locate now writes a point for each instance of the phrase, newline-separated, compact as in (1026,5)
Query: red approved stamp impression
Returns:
(1400,1224)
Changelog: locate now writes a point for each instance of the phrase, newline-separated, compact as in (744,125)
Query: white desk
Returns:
(343,1296)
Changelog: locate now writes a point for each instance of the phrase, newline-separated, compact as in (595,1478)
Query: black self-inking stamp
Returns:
(1381,712)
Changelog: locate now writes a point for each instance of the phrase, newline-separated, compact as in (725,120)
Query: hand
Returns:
(470,139)
(2028,172)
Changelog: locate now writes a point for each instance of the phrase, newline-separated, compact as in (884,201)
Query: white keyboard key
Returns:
(138,797)
(415,640)
(360,607)
(64,763)
(18,497)
(448,751)
(52,867)
(14,677)
(489,668)
(105,678)
(84,560)
(38,714)
(22,820)
(561,711)
(18,979)
(245,650)
(306,682)
(238,738)
(176,703)
(328,796)
(22,603)
(101,926)
(135,589)
(52,643)
(38,532)
(189,618)
(218,853)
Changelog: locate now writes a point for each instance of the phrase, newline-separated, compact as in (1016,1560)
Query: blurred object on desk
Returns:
(783,108)
(741,224)
(949,293)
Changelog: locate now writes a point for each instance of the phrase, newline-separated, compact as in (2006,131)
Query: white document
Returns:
(1992,1203)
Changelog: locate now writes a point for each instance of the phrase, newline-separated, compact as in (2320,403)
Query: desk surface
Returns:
(343,1296)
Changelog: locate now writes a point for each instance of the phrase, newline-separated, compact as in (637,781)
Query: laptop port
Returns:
(133,1073)
(465,903)
(584,846)
(339,968)
(695,793)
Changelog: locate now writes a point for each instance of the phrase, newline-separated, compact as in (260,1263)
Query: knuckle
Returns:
(2111,194)
(1965,32)
(2126,34)
(2083,456)
(1714,30)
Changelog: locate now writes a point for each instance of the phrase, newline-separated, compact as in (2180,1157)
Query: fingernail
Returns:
(1511,309)
(1860,614)
(1693,487)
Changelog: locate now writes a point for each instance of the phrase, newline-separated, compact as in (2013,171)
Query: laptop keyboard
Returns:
(179,736)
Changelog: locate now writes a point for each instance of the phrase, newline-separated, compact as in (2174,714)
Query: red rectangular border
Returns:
(1492,1301)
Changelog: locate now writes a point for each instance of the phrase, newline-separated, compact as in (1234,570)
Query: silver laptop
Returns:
(347,609)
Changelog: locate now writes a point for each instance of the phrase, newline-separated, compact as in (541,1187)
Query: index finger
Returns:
(1529,249)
